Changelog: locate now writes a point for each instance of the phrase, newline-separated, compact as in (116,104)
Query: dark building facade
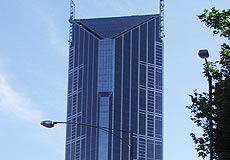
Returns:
(115,81)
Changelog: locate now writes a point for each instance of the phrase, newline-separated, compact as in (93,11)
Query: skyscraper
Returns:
(115,81)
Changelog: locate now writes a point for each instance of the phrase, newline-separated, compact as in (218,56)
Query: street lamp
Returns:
(50,124)
(204,55)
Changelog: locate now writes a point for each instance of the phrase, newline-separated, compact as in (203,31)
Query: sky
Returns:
(33,70)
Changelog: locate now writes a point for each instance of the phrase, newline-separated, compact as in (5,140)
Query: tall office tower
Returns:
(115,81)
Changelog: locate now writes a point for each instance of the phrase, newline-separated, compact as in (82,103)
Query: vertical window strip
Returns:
(150,149)
(142,151)
(159,103)
(158,127)
(159,79)
(138,87)
(158,151)
(150,125)
(71,57)
(122,80)
(130,90)
(159,54)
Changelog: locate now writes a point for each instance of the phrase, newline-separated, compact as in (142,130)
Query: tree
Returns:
(211,112)
(222,133)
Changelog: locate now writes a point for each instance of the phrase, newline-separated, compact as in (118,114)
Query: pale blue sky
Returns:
(33,70)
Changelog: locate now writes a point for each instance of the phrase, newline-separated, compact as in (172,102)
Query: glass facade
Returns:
(115,81)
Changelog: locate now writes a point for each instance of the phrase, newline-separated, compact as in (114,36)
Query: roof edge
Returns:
(88,29)
(133,27)
(78,22)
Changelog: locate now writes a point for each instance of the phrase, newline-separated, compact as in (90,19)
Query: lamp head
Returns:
(203,53)
(47,124)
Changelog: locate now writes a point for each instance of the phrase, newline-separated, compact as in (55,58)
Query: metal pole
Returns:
(211,111)
(108,130)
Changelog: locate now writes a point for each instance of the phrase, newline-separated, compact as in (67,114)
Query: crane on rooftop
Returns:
(72,17)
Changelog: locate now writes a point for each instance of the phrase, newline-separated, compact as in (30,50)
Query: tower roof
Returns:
(112,26)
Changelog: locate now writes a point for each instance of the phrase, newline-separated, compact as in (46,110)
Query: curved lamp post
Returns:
(204,55)
(50,124)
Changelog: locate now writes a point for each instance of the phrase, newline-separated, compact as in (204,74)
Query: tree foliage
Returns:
(222,132)
(217,20)
(211,113)
(200,110)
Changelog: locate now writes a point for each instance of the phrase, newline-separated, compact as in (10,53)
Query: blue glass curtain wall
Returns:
(116,83)
(82,96)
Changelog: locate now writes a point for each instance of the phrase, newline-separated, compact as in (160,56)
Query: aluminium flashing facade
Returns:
(115,81)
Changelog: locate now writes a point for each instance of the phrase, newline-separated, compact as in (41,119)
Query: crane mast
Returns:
(162,19)
(71,18)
